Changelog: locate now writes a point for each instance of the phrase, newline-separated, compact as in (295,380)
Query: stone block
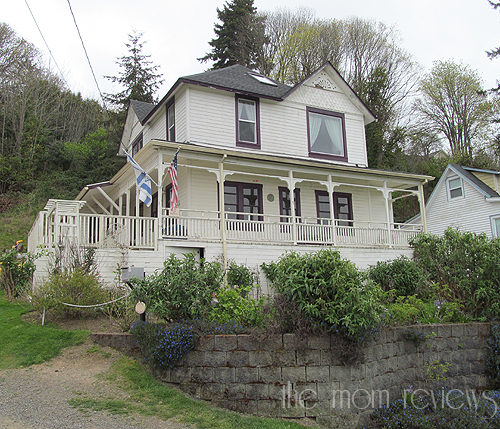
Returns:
(202,375)
(205,343)
(340,373)
(224,375)
(215,359)
(237,359)
(318,374)
(293,374)
(269,408)
(256,391)
(329,357)
(225,342)
(306,357)
(483,329)
(284,358)
(194,358)
(291,342)
(235,391)
(193,389)
(260,358)
(277,391)
(471,330)
(443,331)
(247,343)
(457,330)
(270,374)
(180,375)
(246,375)
(293,411)
(272,343)
(319,342)
(213,391)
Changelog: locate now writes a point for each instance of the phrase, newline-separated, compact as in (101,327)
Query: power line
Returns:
(46,44)
(85,50)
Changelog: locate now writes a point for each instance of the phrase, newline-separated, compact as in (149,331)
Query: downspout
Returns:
(222,211)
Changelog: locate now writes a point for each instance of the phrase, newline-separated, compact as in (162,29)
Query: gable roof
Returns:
(141,109)
(473,180)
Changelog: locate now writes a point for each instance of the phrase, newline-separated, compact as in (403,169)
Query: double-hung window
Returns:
(247,122)
(137,144)
(171,121)
(455,189)
(326,134)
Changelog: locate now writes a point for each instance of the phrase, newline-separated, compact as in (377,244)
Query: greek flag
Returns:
(143,182)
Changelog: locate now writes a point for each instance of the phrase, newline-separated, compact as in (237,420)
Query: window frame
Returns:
(239,142)
(137,144)
(169,105)
(296,191)
(449,189)
(240,200)
(495,232)
(336,196)
(323,155)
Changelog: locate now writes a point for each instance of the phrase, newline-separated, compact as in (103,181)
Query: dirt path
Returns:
(37,397)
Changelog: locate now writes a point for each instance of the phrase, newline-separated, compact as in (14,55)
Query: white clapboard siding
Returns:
(156,127)
(470,213)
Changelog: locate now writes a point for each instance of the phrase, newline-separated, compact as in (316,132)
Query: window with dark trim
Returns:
(285,203)
(247,122)
(326,134)
(171,121)
(342,208)
(137,144)
(243,198)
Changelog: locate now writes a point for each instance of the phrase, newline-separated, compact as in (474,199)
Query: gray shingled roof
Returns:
(478,183)
(141,109)
(238,79)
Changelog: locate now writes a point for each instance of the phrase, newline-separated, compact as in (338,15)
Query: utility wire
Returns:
(88,59)
(46,44)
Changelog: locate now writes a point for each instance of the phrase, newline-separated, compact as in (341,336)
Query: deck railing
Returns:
(90,230)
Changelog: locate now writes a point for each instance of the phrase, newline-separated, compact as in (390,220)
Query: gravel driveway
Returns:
(37,397)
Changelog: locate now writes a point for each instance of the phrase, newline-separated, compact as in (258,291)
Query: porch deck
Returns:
(114,231)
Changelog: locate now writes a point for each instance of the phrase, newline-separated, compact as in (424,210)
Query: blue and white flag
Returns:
(143,182)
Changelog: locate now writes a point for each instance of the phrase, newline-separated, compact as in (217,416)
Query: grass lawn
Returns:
(24,344)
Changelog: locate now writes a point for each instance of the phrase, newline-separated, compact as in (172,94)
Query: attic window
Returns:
(455,187)
(263,79)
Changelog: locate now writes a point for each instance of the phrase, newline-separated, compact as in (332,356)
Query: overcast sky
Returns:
(177,32)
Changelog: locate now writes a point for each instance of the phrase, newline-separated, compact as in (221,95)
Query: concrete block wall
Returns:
(276,378)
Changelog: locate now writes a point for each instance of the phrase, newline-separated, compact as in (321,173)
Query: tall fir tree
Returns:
(137,75)
(240,36)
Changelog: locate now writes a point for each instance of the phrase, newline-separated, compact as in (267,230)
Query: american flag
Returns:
(174,196)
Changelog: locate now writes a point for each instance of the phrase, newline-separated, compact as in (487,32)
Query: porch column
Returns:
(161,171)
(386,192)
(421,200)
(331,189)
(291,189)
(222,212)
(127,206)
(120,204)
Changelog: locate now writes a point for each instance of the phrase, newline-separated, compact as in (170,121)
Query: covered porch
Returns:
(267,200)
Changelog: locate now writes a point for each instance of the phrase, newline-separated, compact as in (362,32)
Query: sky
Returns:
(177,33)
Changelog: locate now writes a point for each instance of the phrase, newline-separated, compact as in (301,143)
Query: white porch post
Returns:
(422,206)
(291,190)
(120,204)
(387,212)
(161,170)
(222,211)
(127,207)
(331,189)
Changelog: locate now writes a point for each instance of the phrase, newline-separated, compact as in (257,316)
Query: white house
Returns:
(464,198)
(262,168)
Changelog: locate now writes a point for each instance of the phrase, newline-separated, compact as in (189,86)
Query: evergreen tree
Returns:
(137,75)
(240,36)
(495,52)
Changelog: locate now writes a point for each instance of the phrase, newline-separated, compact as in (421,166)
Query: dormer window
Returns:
(455,189)
(247,122)
(326,134)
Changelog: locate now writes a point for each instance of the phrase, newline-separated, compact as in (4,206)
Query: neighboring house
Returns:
(464,198)
(283,167)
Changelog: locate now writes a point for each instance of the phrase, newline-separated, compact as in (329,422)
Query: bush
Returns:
(493,357)
(236,305)
(183,290)
(329,291)
(16,272)
(401,275)
(468,265)
(76,288)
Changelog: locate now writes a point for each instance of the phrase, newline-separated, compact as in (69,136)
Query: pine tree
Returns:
(240,36)
(495,52)
(137,75)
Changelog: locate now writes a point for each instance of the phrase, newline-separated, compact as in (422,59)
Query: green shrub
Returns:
(76,288)
(16,272)
(236,305)
(183,290)
(401,275)
(241,275)
(468,264)
(330,291)
(493,357)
